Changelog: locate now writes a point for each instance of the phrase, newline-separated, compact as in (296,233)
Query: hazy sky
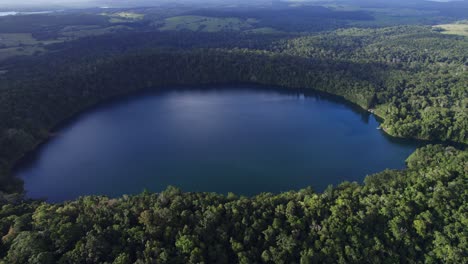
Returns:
(73,3)
(26,3)
(10,4)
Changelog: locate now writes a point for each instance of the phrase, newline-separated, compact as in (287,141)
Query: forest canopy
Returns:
(412,76)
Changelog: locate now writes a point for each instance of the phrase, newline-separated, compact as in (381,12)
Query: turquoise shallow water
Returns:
(245,140)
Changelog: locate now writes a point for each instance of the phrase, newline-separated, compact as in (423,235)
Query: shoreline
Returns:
(31,154)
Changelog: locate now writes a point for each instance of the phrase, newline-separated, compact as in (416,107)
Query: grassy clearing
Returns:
(19,51)
(129,15)
(123,17)
(86,31)
(16,39)
(264,30)
(207,24)
(460,28)
(22,44)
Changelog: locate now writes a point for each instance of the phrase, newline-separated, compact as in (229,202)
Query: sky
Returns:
(8,5)
(72,3)
(38,3)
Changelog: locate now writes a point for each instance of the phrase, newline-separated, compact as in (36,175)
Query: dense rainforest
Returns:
(413,77)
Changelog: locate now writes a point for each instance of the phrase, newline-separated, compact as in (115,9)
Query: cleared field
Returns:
(16,39)
(86,31)
(207,24)
(454,29)
(264,30)
(123,17)
(128,15)
(19,51)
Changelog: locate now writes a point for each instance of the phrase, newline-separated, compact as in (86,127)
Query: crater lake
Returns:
(240,139)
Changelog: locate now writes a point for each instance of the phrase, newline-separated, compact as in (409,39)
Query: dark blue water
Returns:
(241,140)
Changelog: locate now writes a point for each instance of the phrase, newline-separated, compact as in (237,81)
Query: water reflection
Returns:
(245,140)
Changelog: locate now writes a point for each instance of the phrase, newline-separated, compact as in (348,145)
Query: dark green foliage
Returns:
(292,19)
(413,77)
(415,215)
(34,106)
(420,77)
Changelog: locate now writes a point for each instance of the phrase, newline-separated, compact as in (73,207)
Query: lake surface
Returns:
(245,140)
